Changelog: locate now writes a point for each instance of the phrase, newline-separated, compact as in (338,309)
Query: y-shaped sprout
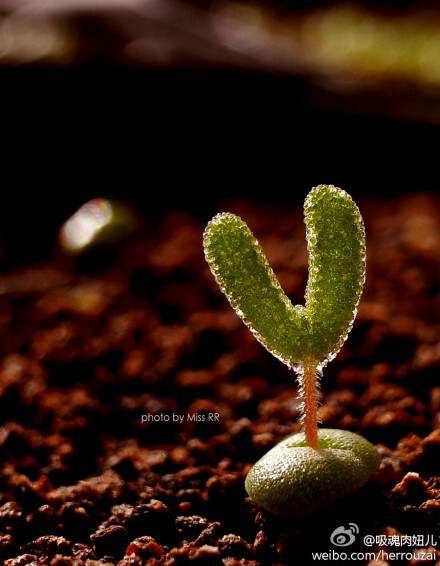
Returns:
(312,468)
(306,337)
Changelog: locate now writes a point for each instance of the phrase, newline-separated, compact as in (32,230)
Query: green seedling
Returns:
(316,466)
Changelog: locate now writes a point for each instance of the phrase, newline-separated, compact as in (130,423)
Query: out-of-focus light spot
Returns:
(239,26)
(25,40)
(351,41)
(81,228)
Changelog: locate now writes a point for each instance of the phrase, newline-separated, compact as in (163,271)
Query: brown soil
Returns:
(111,383)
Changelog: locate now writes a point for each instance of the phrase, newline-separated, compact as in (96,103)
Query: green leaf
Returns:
(295,334)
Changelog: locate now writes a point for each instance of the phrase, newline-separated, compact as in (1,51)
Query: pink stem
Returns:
(310,399)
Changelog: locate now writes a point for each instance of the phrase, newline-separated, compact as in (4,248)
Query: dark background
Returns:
(190,139)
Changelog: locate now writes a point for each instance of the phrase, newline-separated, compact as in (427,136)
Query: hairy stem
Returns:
(309,392)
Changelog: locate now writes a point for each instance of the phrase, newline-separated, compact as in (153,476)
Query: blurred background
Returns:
(182,104)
